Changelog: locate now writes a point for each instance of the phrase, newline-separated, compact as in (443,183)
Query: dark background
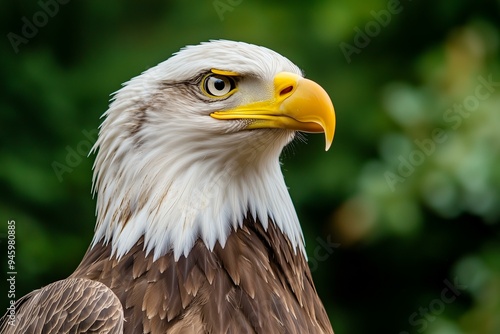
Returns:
(404,205)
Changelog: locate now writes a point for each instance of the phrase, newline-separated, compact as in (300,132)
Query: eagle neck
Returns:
(205,195)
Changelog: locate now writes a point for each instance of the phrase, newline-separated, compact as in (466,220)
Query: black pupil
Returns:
(219,84)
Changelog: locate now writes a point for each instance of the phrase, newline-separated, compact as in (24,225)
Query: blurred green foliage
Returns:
(409,190)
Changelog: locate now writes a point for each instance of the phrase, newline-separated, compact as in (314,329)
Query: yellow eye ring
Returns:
(218,86)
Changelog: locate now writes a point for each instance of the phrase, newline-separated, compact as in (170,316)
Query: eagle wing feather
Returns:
(69,306)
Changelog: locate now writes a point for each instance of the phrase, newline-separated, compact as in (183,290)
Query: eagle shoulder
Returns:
(73,305)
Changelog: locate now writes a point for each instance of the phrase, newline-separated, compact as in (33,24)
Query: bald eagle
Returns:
(196,231)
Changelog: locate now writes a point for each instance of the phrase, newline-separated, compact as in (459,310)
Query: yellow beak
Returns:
(298,104)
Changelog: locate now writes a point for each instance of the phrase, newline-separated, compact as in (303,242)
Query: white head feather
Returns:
(169,172)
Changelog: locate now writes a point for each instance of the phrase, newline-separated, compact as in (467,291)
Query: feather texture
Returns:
(73,305)
(196,231)
(241,288)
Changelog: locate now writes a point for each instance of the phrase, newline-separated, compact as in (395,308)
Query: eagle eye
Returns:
(215,85)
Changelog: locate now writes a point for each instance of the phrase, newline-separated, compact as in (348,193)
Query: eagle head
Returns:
(190,148)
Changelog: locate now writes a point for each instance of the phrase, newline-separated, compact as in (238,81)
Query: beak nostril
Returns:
(286,90)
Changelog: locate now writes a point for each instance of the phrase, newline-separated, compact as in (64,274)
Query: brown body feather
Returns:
(256,283)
